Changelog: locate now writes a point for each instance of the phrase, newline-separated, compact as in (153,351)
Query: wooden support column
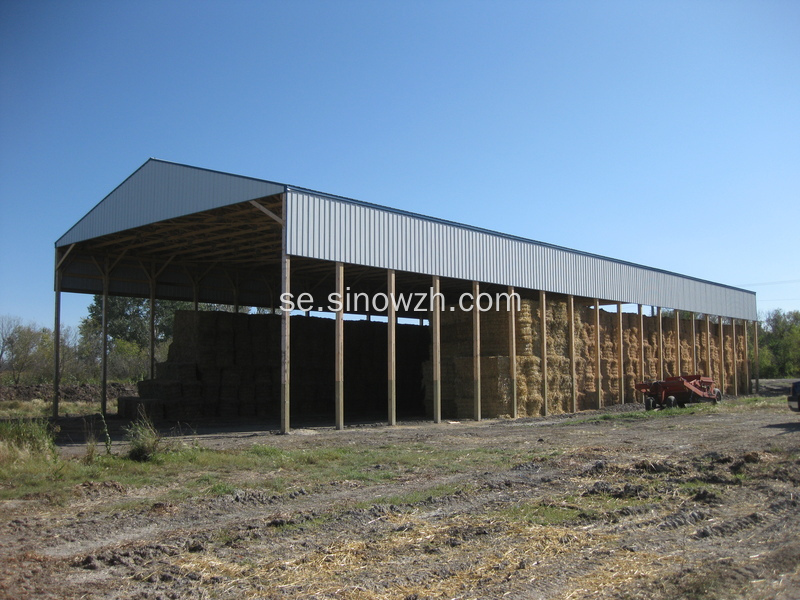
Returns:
(152,328)
(598,374)
(572,377)
(285,346)
(709,371)
(748,386)
(543,334)
(660,346)
(678,370)
(392,349)
(436,333)
(735,359)
(476,352)
(512,350)
(641,342)
(60,260)
(694,343)
(104,321)
(755,356)
(621,354)
(57,344)
(339,350)
(721,355)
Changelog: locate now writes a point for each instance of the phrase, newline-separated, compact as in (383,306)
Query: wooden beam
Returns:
(436,321)
(694,343)
(641,343)
(512,350)
(57,342)
(267,212)
(748,386)
(755,356)
(543,335)
(572,375)
(392,348)
(286,346)
(104,358)
(660,346)
(476,352)
(598,373)
(339,350)
(678,371)
(621,354)
(735,359)
(709,371)
(721,355)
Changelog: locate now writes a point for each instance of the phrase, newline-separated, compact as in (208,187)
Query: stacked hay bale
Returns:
(559,379)
(585,367)
(632,355)
(529,361)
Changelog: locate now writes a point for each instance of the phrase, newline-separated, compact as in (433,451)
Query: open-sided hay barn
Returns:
(553,333)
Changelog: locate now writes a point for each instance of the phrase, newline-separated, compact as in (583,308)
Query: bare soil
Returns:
(688,506)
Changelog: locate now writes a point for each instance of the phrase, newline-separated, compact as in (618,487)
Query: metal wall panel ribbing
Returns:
(161,190)
(336,229)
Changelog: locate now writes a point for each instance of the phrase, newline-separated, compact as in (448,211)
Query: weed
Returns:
(21,439)
(144,438)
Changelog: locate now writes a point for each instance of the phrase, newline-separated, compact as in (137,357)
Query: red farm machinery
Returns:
(678,391)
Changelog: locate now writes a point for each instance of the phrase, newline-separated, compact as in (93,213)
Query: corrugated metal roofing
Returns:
(332,228)
(161,190)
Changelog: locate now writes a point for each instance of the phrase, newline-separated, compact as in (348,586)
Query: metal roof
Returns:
(164,200)
(160,190)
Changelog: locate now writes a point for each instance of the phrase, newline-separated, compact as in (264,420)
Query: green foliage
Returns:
(144,438)
(22,439)
(779,344)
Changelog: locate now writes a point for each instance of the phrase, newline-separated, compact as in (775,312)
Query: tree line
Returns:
(26,351)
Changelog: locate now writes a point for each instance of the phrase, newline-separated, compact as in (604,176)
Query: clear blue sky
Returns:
(663,133)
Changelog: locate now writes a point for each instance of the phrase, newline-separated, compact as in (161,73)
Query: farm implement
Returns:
(678,391)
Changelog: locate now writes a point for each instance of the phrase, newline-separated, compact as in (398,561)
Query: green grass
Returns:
(38,408)
(190,470)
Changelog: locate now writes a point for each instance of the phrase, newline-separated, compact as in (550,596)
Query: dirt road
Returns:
(597,505)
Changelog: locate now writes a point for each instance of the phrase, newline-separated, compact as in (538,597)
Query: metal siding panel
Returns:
(338,230)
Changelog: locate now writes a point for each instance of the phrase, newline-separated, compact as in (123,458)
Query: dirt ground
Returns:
(599,506)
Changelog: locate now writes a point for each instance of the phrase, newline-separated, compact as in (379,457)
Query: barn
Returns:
(360,312)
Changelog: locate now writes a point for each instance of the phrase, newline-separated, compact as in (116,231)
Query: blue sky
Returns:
(662,133)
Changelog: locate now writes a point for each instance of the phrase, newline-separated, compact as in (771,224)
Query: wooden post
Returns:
(678,370)
(339,351)
(512,350)
(721,355)
(621,355)
(543,333)
(572,376)
(436,321)
(285,346)
(641,343)
(755,356)
(660,346)
(748,385)
(57,344)
(598,375)
(476,352)
(152,319)
(710,371)
(735,359)
(392,327)
(694,343)
(104,321)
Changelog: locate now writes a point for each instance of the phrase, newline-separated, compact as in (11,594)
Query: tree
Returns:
(779,344)
(25,351)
